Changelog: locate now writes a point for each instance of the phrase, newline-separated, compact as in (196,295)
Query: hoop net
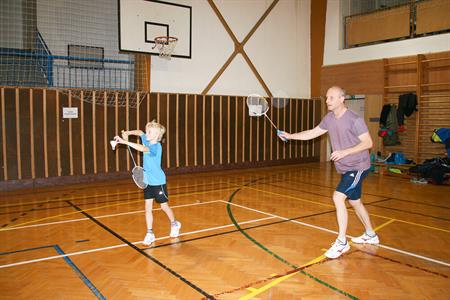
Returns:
(165,45)
(111,98)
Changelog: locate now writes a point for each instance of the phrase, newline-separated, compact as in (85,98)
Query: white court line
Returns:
(25,262)
(106,216)
(335,232)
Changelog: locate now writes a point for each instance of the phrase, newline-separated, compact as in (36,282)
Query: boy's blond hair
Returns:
(154,124)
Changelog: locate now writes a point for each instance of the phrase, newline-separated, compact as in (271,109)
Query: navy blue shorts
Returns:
(351,184)
(157,192)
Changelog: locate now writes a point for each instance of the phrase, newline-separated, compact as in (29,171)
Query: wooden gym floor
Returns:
(247,234)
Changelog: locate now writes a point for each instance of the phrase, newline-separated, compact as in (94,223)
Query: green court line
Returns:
(230,214)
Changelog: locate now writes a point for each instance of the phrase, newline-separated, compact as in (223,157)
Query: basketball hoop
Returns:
(165,45)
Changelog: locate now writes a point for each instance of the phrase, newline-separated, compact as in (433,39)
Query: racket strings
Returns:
(138,177)
(257,105)
(137,173)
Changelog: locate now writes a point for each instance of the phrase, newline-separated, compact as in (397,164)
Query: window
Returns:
(86,57)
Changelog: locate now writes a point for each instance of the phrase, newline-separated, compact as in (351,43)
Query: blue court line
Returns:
(80,274)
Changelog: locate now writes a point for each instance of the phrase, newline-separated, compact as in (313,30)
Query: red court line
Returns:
(322,262)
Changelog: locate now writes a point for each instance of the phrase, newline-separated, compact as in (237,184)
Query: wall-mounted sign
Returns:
(70,112)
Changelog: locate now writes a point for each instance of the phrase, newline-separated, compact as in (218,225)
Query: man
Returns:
(350,140)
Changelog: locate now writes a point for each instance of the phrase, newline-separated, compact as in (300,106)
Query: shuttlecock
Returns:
(113,144)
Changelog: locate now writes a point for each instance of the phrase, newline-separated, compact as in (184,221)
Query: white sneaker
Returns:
(149,239)
(175,230)
(337,249)
(366,239)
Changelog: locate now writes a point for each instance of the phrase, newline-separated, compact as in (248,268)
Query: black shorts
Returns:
(351,183)
(157,192)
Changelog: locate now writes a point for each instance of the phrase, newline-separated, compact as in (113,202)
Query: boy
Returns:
(154,176)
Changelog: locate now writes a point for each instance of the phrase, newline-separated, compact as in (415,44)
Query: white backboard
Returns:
(140,21)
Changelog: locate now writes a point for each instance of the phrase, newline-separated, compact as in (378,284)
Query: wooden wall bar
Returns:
(428,76)
(204,132)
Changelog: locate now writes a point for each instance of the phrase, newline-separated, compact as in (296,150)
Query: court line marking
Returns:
(329,205)
(318,259)
(70,263)
(69,198)
(294,221)
(247,222)
(384,224)
(104,206)
(105,195)
(125,245)
(143,253)
(335,232)
(67,214)
(271,284)
(370,194)
(274,276)
(271,216)
(80,274)
(278,257)
(107,216)
(408,211)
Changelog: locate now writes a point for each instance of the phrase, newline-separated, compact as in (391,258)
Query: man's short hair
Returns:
(342,92)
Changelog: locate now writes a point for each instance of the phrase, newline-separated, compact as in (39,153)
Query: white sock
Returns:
(343,242)
(371,233)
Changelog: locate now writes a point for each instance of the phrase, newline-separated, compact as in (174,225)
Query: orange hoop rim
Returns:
(165,39)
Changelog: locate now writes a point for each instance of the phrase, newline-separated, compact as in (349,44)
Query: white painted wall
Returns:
(279,50)
(334,54)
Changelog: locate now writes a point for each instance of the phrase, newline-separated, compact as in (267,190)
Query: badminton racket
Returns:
(257,107)
(138,172)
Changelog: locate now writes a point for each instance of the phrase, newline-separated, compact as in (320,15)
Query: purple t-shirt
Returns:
(344,134)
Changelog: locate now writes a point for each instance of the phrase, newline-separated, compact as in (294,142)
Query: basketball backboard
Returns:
(140,21)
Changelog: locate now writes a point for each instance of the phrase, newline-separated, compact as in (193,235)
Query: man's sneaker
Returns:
(366,239)
(175,229)
(149,239)
(337,249)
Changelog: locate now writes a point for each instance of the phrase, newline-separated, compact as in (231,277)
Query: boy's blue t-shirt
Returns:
(153,173)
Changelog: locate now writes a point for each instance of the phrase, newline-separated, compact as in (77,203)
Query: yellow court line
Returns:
(375,215)
(278,280)
(68,198)
(200,192)
(292,197)
(66,214)
(95,196)
(383,225)
(412,223)
(255,292)
(116,204)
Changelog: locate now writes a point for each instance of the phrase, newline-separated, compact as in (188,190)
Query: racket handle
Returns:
(282,138)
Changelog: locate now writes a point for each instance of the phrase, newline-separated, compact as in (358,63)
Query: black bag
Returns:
(434,169)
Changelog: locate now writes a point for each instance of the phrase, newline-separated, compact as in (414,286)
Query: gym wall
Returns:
(41,148)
